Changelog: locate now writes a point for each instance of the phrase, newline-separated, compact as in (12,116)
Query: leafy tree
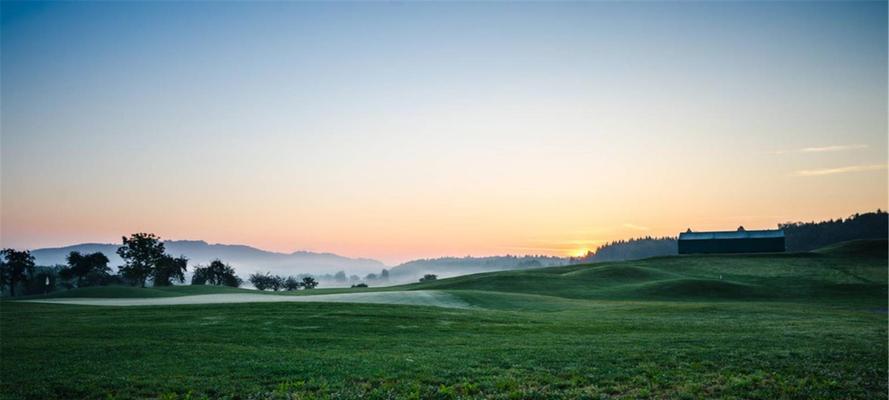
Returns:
(276,282)
(384,275)
(217,273)
(260,281)
(428,277)
(41,280)
(340,276)
(309,282)
(232,280)
(98,272)
(291,284)
(200,276)
(87,270)
(267,281)
(169,269)
(16,267)
(141,253)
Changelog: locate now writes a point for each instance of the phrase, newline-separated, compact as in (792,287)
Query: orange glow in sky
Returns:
(440,129)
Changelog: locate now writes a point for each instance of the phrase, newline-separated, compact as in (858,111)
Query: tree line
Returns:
(275,282)
(806,236)
(145,260)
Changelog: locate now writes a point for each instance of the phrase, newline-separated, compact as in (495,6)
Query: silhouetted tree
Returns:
(200,276)
(291,284)
(384,275)
(169,269)
(141,252)
(309,282)
(217,273)
(267,281)
(340,276)
(428,277)
(260,281)
(276,282)
(232,280)
(41,280)
(360,285)
(87,270)
(16,267)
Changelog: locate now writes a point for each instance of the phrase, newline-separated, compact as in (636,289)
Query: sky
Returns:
(402,130)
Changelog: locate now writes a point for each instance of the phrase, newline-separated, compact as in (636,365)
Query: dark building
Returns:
(740,241)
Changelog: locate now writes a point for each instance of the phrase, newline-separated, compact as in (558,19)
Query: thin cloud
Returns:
(825,149)
(636,227)
(840,170)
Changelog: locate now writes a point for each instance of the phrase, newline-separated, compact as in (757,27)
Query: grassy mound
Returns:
(849,272)
(700,289)
(619,274)
(874,248)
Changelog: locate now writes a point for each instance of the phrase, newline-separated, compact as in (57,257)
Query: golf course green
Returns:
(794,326)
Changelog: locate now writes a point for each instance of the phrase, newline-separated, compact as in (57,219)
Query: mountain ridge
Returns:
(245,259)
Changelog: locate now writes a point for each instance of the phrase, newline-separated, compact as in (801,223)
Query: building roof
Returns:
(739,234)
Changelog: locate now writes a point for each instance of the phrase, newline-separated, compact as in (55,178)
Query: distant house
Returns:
(739,241)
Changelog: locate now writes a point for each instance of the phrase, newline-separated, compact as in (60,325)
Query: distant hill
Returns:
(244,259)
(455,266)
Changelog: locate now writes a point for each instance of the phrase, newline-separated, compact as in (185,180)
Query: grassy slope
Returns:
(854,272)
(134,292)
(774,326)
(850,270)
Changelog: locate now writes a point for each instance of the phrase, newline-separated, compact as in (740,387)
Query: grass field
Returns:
(761,326)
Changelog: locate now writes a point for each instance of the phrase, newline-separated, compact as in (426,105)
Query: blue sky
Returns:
(396,130)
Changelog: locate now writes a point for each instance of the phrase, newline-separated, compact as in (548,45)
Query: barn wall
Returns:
(758,245)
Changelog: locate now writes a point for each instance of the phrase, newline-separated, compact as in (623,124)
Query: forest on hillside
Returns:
(799,236)
(806,236)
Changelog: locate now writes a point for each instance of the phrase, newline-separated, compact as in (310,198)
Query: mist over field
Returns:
(247,259)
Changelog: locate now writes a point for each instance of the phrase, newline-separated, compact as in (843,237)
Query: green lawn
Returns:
(775,326)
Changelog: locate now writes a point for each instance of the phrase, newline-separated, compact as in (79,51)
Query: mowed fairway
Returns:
(411,297)
(760,326)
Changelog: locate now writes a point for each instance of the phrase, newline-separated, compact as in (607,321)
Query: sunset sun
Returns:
(580,252)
